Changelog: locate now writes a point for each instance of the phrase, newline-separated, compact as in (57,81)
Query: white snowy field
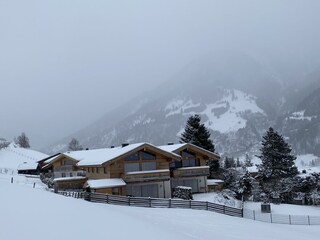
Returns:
(33,213)
(286,209)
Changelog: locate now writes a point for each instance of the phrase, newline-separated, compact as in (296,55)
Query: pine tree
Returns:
(74,145)
(277,160)
(22,141)
(196,133)
(247,161)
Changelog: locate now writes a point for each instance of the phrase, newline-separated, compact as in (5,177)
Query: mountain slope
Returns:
(237,96)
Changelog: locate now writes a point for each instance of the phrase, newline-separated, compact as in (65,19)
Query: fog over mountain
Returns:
(113,71)
(237,106)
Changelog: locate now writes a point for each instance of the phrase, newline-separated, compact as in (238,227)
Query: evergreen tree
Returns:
(229,162)
(196,133)
(247,161)
(245,185)
(277,160)
(74,145)
(22,141)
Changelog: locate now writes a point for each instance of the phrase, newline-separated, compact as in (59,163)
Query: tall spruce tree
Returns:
(277,161)
(196,133)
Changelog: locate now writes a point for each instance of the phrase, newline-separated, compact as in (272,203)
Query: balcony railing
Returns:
(191,171)
(69,174)
(141,176)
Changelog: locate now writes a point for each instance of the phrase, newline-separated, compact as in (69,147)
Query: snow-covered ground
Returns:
(14,157)
(287,209)
(27,213)
(308,162)
(217,197)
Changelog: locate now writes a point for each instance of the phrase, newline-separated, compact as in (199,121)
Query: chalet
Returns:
(140,170)
(192,171)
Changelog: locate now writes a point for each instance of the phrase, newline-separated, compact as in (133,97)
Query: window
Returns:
(131,167)
(71,175)
(97,170)
(132,157)
(147,156)
(189,159)
(63,174)
(105,169)
(189,163)
(67,162)
(148,166)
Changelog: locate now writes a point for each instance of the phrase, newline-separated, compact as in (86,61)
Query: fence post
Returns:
(107,198)
(224,209)
(149,201)
(254,215)
(290,219)
(169,202)
(190,203)
(34,185)
(308,219)
(11,179)
(207,205)
(129,200)
(271,217)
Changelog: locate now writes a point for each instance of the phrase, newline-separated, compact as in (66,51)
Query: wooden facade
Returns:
(147,170)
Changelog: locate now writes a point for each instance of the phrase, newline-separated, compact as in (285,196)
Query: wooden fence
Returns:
(281,218)
(154,202)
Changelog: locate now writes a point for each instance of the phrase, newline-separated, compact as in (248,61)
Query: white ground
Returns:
(35,214)
(286,209)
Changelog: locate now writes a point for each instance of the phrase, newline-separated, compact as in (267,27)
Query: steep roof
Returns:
(101,156)
(181,146)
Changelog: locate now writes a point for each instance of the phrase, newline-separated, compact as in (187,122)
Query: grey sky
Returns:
(64,63)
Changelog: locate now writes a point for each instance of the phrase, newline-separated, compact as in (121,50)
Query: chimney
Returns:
(112,147)
(170,143)
(125,144)
(87,149)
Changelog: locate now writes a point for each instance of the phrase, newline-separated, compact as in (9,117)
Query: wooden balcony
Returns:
(191,171)
(143,176)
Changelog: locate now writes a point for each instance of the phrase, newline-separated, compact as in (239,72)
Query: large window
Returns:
(140,161)
(132,157)
(131,167)
(147,156)
(148,166)
(188,159)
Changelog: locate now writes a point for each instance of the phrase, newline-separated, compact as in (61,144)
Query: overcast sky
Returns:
(64,63)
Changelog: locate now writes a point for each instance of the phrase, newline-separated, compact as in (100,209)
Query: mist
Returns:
(64,64)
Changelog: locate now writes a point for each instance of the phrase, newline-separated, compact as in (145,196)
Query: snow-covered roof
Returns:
(105,183)
(172,147)
(14,157)
(176,147)
(28,166)
(100,156)
(49,160)
(212,182)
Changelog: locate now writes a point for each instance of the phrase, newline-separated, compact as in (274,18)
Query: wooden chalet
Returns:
(140,170)
(192,171)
